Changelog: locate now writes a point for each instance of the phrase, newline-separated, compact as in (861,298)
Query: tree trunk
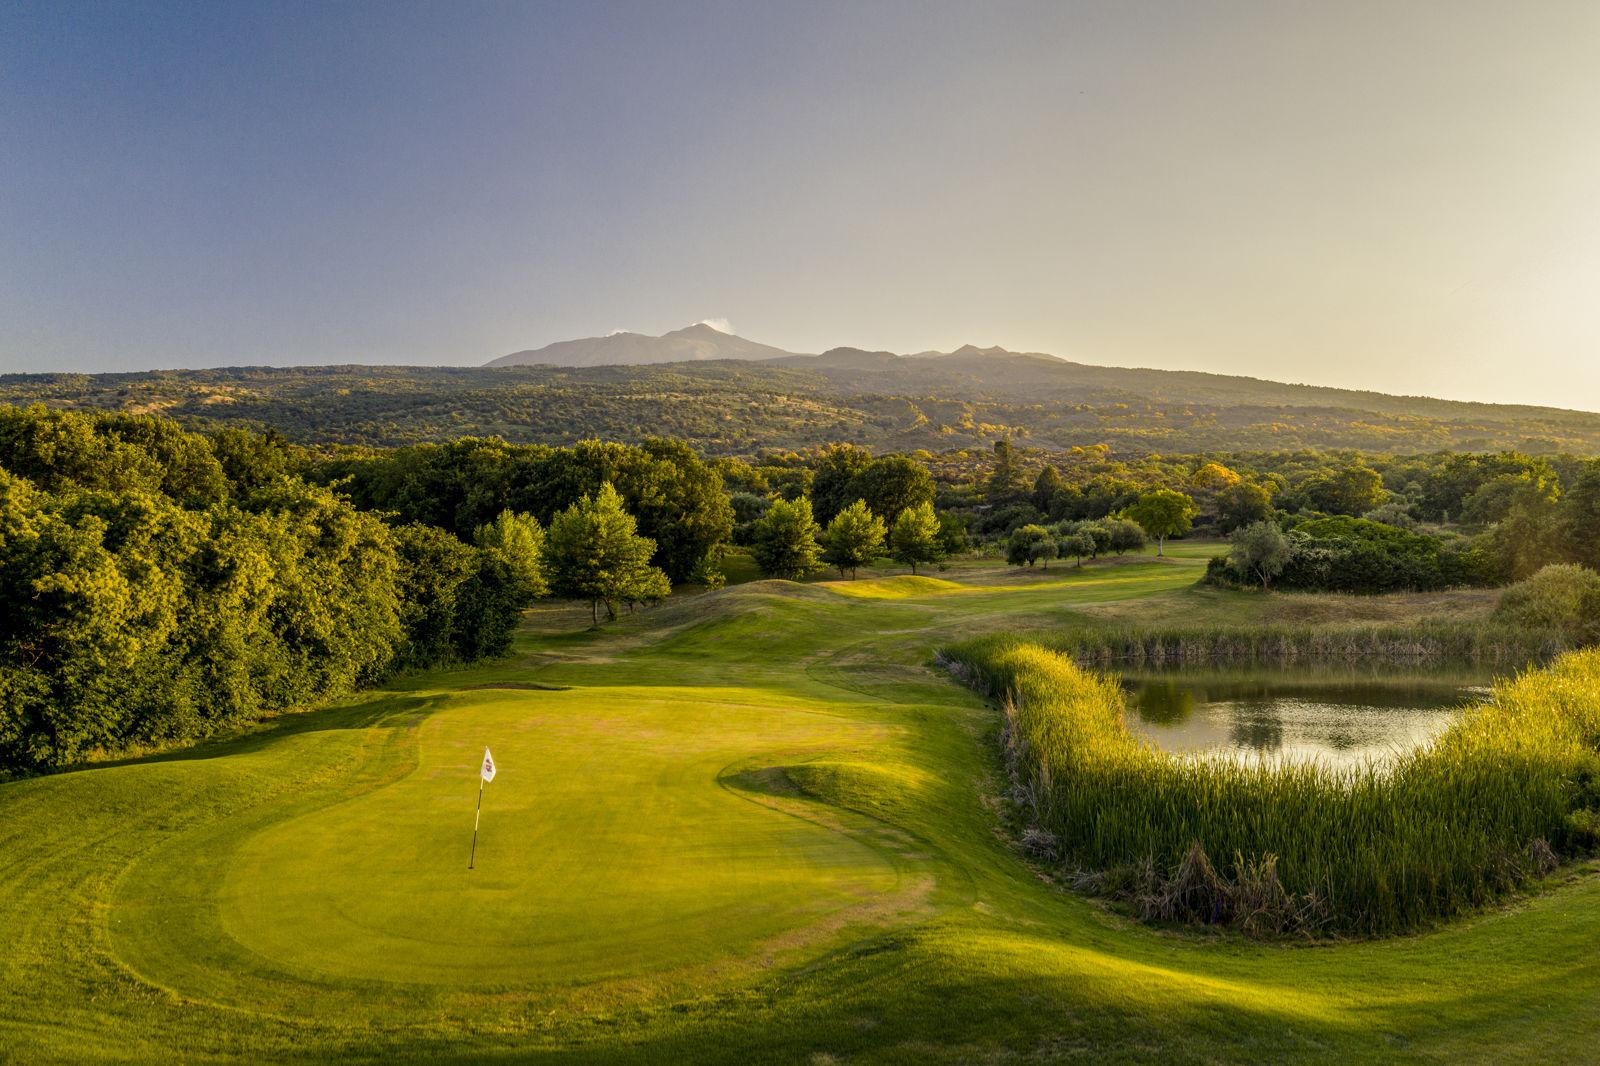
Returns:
(1161,546)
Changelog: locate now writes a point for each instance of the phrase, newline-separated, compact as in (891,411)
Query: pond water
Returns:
(1338,719)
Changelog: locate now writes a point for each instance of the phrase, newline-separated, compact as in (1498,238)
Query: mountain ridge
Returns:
(699,342)
(972,368)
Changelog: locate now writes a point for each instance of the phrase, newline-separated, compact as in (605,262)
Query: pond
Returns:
(1338,719)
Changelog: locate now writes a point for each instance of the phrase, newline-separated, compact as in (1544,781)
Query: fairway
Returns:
(751,825)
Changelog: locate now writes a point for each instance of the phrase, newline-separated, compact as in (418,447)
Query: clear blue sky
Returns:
(1396,196)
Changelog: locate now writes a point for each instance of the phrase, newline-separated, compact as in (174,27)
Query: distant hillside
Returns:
(964,399)
(690,344)
(999,373)
(935,401)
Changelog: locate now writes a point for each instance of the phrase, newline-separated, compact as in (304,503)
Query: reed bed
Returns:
(1275,847)
(1429,643)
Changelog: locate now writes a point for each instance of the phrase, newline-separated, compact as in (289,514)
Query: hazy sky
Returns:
(1401,196)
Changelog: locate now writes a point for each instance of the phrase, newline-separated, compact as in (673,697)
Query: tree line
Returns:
(157,586)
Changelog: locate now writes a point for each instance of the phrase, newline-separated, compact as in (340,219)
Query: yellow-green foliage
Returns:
(1371,849)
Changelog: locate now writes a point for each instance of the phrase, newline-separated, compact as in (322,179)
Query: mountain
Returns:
(695,343)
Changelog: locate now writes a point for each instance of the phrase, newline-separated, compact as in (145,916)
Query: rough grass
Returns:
(1276,846)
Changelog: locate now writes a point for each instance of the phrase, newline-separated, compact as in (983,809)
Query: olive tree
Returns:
(1260,550)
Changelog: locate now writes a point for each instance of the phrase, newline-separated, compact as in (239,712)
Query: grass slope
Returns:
(749,826)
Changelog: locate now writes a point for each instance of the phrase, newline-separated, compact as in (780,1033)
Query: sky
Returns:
(1397,196)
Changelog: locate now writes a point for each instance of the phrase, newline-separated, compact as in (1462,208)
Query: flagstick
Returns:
(479,814)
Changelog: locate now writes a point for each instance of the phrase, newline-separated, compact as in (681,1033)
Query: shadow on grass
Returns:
(379,711)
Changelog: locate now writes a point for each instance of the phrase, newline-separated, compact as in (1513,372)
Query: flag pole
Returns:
(478,814)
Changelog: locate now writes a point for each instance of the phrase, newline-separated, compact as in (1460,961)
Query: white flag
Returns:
(487,773)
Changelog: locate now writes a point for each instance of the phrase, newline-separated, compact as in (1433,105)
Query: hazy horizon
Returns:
(1394,198)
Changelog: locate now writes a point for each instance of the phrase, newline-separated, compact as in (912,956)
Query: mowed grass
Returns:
(748,826)
(675,875)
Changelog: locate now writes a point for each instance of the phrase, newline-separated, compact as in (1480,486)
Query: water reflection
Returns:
(1163,702)
(1335,718)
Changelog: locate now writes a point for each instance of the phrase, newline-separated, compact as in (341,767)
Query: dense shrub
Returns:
(1342,554)
(1562,596)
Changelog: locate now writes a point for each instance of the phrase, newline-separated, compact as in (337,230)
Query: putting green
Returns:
(610,847)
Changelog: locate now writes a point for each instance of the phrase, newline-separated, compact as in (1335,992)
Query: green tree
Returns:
(1354,490)
(1022,542)
(1241,504)
(1005,480)
(914,537)
(253,460)
(1042,551)
(1126,536)
(1045,487)
(784,540)
(1578,517)
(953,538)
(1075,545)
(893,483)
(518,541)
(1163,513)
(1529,536)
(436,569)
(854,538)
(1260,550)
(647,585)
(1098,534)
(593,553)
(834,484)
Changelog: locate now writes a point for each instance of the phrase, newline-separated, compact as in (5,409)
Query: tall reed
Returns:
(1464,643)
(1277,846)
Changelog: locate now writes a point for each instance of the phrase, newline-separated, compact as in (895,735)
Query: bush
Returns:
(1344,554)
(1022,547)
(1562,596)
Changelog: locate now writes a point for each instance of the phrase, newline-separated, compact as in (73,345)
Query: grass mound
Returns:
(1275,847)
(900,587)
